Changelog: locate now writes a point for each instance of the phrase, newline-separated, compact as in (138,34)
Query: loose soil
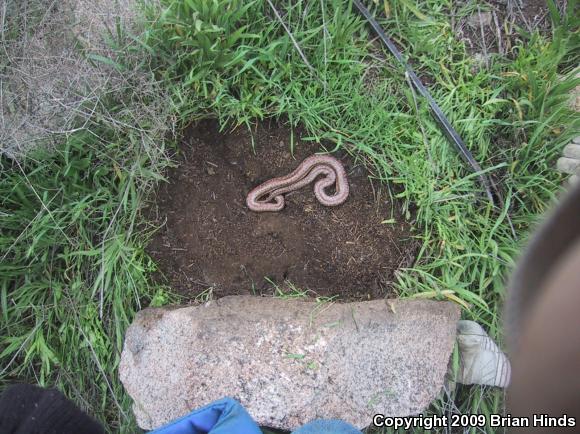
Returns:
(209,238)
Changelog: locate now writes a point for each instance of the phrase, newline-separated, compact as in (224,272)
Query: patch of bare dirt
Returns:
(211,239)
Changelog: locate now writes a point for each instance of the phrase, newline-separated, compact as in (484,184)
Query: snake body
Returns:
(269,196)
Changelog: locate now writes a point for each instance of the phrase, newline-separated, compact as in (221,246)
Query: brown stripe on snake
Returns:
(260,198)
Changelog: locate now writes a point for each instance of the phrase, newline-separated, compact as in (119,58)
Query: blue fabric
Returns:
(330,426)
(225,416)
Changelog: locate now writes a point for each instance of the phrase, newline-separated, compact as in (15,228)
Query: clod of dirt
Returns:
(211,239)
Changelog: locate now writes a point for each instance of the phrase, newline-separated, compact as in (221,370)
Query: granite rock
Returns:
(287,361)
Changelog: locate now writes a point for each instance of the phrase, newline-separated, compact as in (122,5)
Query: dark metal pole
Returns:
(443,122)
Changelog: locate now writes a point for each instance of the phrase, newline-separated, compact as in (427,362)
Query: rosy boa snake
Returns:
(304,174)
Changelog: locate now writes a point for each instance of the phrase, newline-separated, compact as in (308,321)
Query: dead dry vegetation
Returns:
(60,66)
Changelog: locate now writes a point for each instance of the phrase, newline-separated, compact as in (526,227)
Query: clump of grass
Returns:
(72,265)
(73,270)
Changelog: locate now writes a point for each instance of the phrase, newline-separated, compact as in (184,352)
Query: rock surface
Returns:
(288,361)
(570,162)
(572,150)
(568,165)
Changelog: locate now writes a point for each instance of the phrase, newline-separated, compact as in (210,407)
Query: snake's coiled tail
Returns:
(269,196)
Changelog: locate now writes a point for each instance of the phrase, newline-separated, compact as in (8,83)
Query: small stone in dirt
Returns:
(289,362)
